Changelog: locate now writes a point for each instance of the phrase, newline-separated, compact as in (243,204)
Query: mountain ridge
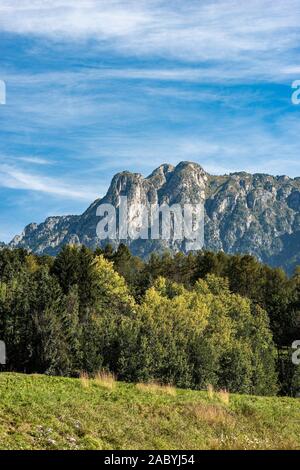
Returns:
(256,213)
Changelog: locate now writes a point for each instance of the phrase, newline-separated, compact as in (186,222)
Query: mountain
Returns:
(257,214)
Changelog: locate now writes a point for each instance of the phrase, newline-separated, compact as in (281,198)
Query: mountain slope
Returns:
(257,214)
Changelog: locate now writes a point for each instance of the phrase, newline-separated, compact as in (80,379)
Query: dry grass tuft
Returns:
(105,379)
(84,379)
(223,396)
(211,414)
(169,389)
(210,391)
(156,388)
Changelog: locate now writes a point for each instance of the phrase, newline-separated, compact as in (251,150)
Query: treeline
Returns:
(190,320)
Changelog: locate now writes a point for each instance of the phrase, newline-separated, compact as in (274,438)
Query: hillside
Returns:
(257,214)
(41,412)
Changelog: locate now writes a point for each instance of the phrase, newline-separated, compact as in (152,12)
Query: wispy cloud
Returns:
(35,160)
(16,178)
(235,143)
(233,38)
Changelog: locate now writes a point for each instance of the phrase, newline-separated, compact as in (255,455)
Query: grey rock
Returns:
(257,214)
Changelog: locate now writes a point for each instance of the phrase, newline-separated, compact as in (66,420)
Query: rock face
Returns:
(257,214)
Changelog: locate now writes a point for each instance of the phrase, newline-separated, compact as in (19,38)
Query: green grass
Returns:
(41,412)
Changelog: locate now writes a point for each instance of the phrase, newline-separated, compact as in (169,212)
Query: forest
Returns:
(197,320)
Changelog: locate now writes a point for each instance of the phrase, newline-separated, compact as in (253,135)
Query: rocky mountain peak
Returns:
(257,214)
(162,171)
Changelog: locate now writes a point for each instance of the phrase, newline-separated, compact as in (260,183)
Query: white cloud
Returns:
(34,160)
(15,178)
(240,143)
(253,38)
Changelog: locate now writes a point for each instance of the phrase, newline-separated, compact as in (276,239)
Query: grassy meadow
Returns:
(42,412)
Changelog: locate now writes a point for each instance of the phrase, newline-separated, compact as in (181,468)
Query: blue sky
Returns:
(97,87)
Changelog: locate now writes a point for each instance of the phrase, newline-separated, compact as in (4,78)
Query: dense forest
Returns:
(190,320)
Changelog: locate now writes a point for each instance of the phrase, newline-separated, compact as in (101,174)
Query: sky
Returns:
(94,87)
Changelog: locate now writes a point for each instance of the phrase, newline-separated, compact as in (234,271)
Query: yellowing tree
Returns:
(112,291)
